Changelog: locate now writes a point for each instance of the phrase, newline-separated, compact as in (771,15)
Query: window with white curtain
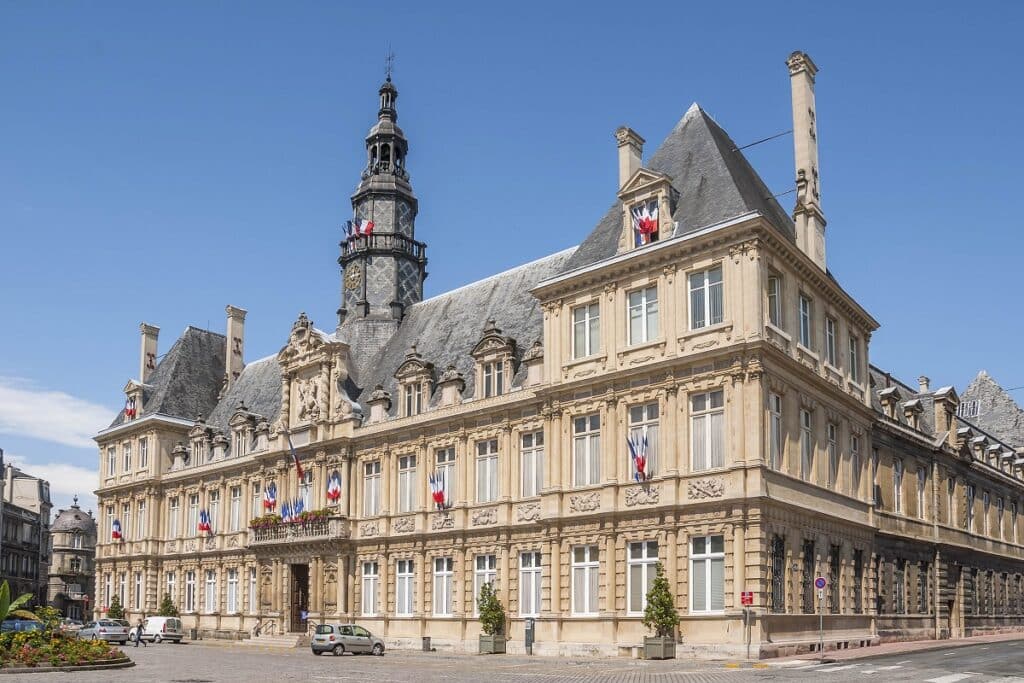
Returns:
(111,461)
(706,305)
(108,588)
(775,300)
(172,593)
(531,466)
(485,571)
(371,575)
(371,488)
(707,574)
(643,421)
(586,469)
(643,315)
(193,514)
(143,453)
(585,567)
(257,500)
(404,578)
(443,572)
(969,511)
(805,321)
(413,399)
(126,449)
(407,483)
(445,462)
(138,590)
(126,518)
(642,563)
(211,591)
(253,595)
(707,429)
(586,330)
(173,513)
(897,486)
(122,588)
(529,584)
(487,471)
(775,443)
(854,359)
(830,342)
(806,445)
(235,513)
(140,516)
(190,591)
(232,597)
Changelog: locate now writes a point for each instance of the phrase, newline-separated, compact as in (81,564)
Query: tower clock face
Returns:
(353,276)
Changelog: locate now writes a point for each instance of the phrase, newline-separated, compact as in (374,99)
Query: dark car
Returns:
(20,625)
(341,638)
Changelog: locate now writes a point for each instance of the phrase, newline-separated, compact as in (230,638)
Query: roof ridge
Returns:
(503,273)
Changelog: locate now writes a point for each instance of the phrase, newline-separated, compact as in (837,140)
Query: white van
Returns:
(159,629)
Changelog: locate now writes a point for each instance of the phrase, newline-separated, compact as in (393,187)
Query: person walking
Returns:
(138,635)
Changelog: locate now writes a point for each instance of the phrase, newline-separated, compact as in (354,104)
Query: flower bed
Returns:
(39,648)
(273,520)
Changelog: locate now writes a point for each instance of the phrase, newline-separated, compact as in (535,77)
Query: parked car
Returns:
(69,625)
(20,625)
(341,638)
(159,629)
(104,629)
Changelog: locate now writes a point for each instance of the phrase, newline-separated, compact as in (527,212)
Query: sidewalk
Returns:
(893,649)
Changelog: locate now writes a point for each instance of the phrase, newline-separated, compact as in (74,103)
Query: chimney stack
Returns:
(631,152)
(234,358)
(923,384)
(147,356)
(807,214)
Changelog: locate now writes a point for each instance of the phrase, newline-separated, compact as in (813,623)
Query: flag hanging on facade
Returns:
(334,487)
(638,453)
(295,457)
(363,228)
(645,222)
(437,489)
(129,408)
(204,522)
(286,512)
(349,230)
(298,507)
(115,530)
(270,497)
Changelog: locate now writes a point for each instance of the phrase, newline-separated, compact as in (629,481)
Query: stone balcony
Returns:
(329,529)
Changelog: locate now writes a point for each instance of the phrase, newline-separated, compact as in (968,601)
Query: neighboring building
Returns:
(25,540)
(71,584)
(485,435)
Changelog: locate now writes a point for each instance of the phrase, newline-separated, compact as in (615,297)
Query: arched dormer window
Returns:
(415,383)
(494,355)
(199,442)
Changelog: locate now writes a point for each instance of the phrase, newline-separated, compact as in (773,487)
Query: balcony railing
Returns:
(317,530)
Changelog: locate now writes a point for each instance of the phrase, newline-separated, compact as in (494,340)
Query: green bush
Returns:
(167,608)
(115,610)
(32,648)
(660,614)
(492,615)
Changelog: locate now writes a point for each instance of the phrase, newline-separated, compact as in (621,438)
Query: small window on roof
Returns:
(968,409)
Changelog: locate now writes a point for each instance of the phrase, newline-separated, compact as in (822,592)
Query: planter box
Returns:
(659,648)
(492,645)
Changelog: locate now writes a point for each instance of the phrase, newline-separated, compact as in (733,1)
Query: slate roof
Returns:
(998,413)
(187,379)
(258,386)
(715,182)
(882,380)
(73,519)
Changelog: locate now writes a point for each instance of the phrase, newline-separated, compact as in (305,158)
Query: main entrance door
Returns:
(299,596)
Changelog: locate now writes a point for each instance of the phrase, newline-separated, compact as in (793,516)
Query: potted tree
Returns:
(115,610)
(661,617)
(167,608)
(492,621)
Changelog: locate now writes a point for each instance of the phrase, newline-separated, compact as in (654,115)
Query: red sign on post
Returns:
(747,598)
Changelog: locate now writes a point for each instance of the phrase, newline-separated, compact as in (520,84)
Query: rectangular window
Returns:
(445,468)
(193,514)
(642,568)
(413,396)
(443,571)
(140,519)
(830,342)
(371,488)
(833,456)
(407,483)
(370,577)
(171,590)
(257,500)
(210,603)
(1013,521)
(529,584)
(775,433)
(707,574)
(494,379)
(584,579)
(858,581)
(643,315)
(876,490)
(805,322)
(855,465)
(531,464)
(137,593)
(306,489)
(897,486)
(235,509)
(969,511)
(126,449)
(111,461)
(707,429)
(586,469)
(706,298)
(213,508)
(808,577)
(775,300)
(834,560)
(806,445)
(232,606)
(190,591)
(126,518)
(485,571)
(487,471)
(143,453)
(107,589)
(986,504)
(999,518)
(923,602)
(404,577)
(777,560)
(922,489)
(899,587)
(854,359)
(586,330)
(643,428)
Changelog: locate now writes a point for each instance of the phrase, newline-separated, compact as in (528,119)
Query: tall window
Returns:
(111,461)
(805,321)
(210,603)
(190,591)
(854,359)
(777,598)
(143,453)
(371,576)
(126,518)
(253,594)
(1000,506)
(969,511)
(140,517)
(642,563)
(584,579)
(899,587)
(586,468)
(413,398)
(529,584)
(856,465)
(775,443)
(643,315)
(213,507)
(922,485)
(833,455)
(775,300)
(807,579)
(238,443)
(876,490)
(306,490)
(707,574)
(232,606)
(707,429)
(586,330)
(407,483)
(404,578)
(193,514)
(126,450)
(706,298)
(833,578)
(531,466)
(897,486)
(257,500)
(137,593)
(235,510)
(1013,521)
(986,504)
(643,422)
(171,590)
(445,461)
(806,445)
(485,571)
(858,581)
(371,488)
(486,471)
(107,588)
(830,342)
(443,570)
(494,378)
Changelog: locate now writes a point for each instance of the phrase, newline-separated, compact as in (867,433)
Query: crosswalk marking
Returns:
(951,678)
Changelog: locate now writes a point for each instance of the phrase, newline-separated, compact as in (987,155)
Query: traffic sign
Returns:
(820,582)
(747,598)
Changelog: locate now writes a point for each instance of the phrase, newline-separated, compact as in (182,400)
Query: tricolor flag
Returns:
(645,222)
(359,228)
(270,497)
(286,512)
(295,457)
(334,487)
(204,522)
(115,530)
(638,452)
(349,230)
(437,489)
(298,507)
(129,408)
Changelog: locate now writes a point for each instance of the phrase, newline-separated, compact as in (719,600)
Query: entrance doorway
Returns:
(299,595)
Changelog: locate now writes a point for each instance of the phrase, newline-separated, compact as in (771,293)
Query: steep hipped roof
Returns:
(881,380)
(715,182)
(187,379)
(258,387)
(997,413)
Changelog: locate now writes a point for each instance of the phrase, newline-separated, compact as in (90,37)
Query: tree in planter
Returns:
(492,620)
(167,608)
(115,611)
(661,617)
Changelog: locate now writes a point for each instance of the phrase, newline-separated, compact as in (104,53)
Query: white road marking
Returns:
(830,669)
(948,654)
(951,678)
(890,667)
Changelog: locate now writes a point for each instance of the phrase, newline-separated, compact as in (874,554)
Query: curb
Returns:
(868,654)
(123,664)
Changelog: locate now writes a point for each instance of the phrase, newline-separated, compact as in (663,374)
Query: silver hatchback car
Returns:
(104,629)
(341,638)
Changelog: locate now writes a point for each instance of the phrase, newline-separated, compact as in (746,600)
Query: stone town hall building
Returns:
(697,314)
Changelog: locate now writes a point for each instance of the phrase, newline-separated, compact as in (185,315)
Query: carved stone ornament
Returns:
(172,546)
(442,520)
(190,545)
(485,516)
(378,395)
(585,502)
(705,488)
(210,543)
(535,352)
(233,542)
(493,341)
(369,529)
(309,404)
(642,495)
(450,375)
(405,525)
(528,512)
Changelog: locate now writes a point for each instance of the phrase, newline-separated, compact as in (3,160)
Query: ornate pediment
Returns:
(642,180)
(648,202)
(414,368)
(307,345)
(242,417)
(493,342)
(199,429)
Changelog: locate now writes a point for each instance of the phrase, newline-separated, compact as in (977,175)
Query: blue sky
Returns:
(160,162)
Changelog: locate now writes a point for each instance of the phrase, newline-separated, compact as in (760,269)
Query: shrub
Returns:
(660,614)
(13,608)
(492,615)
(167,608)
(115,611)
(32,648)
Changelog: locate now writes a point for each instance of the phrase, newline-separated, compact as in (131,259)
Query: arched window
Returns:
(385,155)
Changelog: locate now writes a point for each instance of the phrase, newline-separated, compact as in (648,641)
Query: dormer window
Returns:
(412,398)
(415,377)
(645,222)
(494,379)
(494,354)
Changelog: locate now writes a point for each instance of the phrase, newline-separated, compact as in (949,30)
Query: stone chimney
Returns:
(147,356)
(923,384)
(631,152)
(234,358)
(807,214)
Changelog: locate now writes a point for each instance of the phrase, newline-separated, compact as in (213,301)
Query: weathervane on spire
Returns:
(389,63)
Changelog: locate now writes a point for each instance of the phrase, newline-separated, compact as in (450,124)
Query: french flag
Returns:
(115,530)
(334,487)
(270,497)
(129,408)
(437,489)
(295,457)
(204,522)
(358,228)
(638,453)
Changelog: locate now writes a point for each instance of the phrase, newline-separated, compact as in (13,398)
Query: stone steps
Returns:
(283,640)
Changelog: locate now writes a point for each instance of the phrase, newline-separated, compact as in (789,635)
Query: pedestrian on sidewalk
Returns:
(138,635)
